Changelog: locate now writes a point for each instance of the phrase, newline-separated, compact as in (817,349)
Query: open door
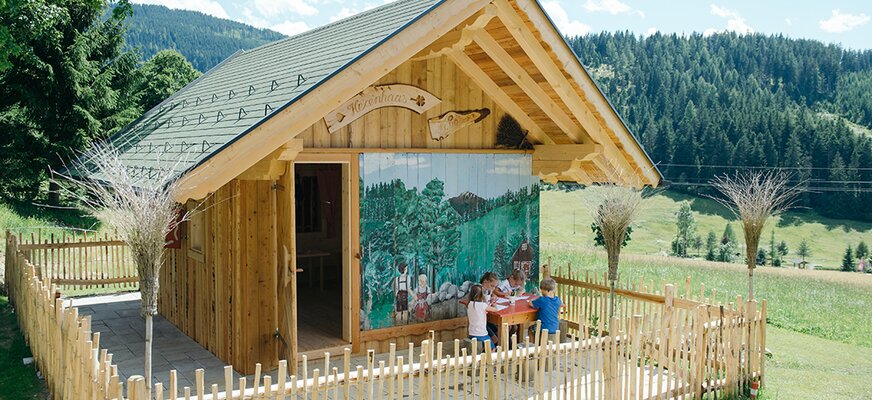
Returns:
(316,208)
(287,268)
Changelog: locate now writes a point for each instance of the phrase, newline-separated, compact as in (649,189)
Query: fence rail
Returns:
(80,261)
(658,347)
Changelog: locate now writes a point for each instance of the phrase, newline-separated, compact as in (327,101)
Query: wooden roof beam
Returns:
(562,86)
(564,162)
(498,95)
(458,38)
(570,63)
(518,74)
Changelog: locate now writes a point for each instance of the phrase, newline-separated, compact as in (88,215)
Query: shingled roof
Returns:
(246,89)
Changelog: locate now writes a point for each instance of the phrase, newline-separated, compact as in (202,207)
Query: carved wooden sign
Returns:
(446,124)
(375,97)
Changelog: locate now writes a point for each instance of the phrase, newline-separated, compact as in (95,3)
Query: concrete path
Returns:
(122,333)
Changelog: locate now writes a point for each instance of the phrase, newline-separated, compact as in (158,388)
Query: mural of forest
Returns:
(431,224)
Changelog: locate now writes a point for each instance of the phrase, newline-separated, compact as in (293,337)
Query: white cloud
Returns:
(652,30)
(204,6)
(290,28)
(346,12)
(613,7)
(839,22)
(282,7)
(343,13)
(561,18)
(788,21)
(735,22)
(609,6)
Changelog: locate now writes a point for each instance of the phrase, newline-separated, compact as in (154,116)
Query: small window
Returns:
(308,217)
(196,230)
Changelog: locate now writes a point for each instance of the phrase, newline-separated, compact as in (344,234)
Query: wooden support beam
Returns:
(459,38)
(273,133)
(523,79)
(564,89)
(570,63)
(498,95)
(267,169)
(290,150)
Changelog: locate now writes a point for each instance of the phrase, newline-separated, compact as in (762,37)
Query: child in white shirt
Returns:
(476,311)
(513,285)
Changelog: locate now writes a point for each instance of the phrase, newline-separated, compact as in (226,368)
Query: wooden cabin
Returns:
(352,181)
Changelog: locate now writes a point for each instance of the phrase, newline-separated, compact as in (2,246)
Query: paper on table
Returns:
(516,298)
(501,300)
(501,307)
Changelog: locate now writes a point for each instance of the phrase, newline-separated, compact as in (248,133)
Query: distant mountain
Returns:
(203,39)
(466,202)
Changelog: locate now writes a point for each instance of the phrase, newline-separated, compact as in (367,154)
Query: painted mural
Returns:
(432,224)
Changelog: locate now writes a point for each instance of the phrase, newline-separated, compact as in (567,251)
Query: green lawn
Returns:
(570,223)
(17,381)
(820,322)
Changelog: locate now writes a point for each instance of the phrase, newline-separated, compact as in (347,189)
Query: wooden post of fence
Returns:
(136,388)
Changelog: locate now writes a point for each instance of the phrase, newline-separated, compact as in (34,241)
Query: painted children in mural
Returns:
(422,308)
(401,291)
(513,285)
(476,312)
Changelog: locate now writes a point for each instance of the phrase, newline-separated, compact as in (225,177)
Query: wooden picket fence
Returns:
(720,347)
(80,260)
(677,349)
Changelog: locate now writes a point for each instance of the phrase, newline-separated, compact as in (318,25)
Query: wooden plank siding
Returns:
(225,299)
(390,128)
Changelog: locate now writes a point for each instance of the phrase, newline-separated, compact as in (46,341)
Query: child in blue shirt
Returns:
(548,305)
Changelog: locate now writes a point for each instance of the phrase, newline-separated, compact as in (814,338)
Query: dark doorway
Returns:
(319,232)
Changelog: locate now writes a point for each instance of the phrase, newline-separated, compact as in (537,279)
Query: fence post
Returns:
(762,341)
(136,388)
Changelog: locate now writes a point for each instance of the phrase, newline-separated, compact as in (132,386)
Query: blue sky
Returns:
(848,22)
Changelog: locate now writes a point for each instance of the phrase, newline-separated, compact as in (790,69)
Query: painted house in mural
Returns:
(357,177)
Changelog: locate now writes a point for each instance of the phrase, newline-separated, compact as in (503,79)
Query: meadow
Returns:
(820,321)
(566,219)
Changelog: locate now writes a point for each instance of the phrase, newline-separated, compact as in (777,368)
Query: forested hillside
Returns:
(708,105)
(204,40)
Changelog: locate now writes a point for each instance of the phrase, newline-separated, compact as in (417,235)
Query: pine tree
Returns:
(67,83)
(803,250)
(848,264)
(686,227)
(862,251)
(711,245)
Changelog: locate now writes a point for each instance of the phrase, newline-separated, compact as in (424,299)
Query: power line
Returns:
(810,189)
(758,167)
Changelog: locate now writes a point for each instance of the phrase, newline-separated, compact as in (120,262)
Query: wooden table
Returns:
(519,314)
(320,255)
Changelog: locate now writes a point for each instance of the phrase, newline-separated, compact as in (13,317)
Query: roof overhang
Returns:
(513,51)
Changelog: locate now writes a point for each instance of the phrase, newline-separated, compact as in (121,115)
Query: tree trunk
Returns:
(611,300)
(148,336)
(751,284)
(751,261)
(54,194)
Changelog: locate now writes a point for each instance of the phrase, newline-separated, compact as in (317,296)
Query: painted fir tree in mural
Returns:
(431,224)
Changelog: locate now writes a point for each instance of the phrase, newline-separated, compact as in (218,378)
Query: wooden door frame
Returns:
(350,163)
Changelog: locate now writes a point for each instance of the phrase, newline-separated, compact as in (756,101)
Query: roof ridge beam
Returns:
(572,65)
(560,83)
